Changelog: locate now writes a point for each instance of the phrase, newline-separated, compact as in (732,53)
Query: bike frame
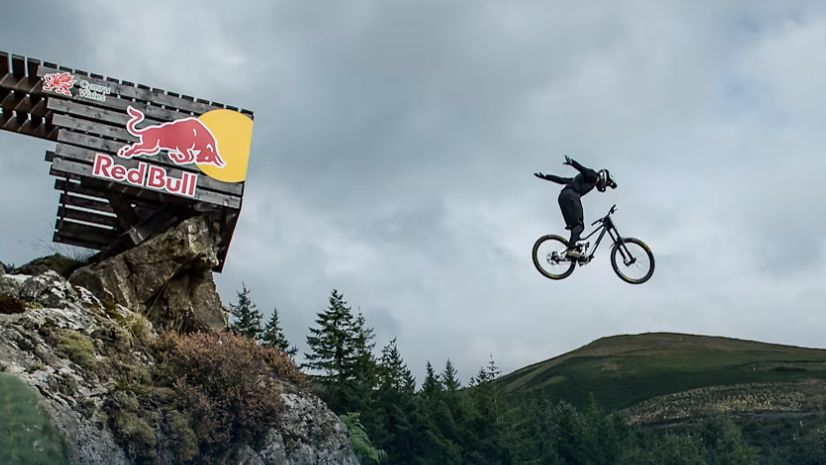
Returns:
(606,225)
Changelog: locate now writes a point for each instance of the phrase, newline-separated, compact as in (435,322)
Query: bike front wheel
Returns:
(632,260)
(549,257)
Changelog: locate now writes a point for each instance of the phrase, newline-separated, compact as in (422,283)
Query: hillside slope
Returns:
(623,371)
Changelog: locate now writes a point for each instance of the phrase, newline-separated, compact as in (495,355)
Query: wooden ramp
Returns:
(86,116)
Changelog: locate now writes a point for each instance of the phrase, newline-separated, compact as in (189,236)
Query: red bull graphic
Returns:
(186,140)
(145,175)
(59,83)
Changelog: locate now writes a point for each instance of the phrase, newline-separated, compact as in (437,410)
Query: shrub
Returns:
(360,441)
(229,387)
(137,435)
(10,305)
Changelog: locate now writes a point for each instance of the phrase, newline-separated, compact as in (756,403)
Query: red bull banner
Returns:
(217,143)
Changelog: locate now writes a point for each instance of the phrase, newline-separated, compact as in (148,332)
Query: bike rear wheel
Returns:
(549,257)
(632,260)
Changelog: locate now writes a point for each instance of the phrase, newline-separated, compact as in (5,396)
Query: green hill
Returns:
(624,371)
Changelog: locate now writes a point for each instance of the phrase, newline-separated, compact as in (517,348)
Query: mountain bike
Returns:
(631,258)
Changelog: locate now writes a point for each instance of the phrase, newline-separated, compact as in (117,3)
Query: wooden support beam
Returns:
(92,234)
(77,242)
(123,209)
(67,212)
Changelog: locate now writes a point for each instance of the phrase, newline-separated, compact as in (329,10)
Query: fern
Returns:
(27,436)
(362,446)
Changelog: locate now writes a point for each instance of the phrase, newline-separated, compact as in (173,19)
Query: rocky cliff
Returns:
(91,349)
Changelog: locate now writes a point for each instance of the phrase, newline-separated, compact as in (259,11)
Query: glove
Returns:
(539,175)
(568,160)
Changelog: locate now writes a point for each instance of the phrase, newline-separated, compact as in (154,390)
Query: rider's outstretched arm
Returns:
(587,172)
(554,178)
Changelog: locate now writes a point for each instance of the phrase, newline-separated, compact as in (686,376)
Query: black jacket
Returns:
(581,184)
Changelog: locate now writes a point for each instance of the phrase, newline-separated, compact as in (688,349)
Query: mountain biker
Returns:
(569,198)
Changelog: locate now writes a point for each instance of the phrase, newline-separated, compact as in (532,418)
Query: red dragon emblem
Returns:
(186,140)
(59,83)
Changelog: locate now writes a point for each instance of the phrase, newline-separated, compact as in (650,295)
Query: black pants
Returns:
(571,206)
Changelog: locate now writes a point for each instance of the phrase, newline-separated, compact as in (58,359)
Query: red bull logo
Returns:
(185,141)
(59,83)
(217,143)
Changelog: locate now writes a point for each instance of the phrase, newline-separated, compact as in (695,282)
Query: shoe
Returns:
(574,253)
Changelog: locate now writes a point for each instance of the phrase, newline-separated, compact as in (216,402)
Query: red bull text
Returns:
(145,175)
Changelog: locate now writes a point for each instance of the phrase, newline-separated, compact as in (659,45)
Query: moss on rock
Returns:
(28,435)
(78,347)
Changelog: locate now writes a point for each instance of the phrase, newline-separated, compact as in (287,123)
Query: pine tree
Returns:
(247,318)
(273,336)
(450,378)
(393,415)
(485,441)
(364,363)
(335,355)
(436,426)
(432,385)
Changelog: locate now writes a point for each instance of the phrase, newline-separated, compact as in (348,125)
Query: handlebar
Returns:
(610,212)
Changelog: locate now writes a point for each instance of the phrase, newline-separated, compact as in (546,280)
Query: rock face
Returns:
(167,278)
(66,342)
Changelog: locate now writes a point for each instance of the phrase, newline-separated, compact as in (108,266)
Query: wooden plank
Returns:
(39,109)
(10,82)
(65,166)
(4,64)
(83,202)
(87,217)
(82,125)
(56,173)
(92,234)
(142,199)
(91,112)
(76,242)
(77,188)
(113,101)
(75,152)
(32,65)
(10,100)
(120,105)
(14,123)
(18,66)
(25,105)
(157,97)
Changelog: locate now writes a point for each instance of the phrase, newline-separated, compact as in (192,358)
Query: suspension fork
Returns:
(627,258)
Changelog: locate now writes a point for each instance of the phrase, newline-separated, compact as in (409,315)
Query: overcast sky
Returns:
(394,144)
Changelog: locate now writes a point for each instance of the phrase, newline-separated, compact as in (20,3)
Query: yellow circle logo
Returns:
(233,134)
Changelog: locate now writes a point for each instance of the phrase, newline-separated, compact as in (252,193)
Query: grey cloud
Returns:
(394,146)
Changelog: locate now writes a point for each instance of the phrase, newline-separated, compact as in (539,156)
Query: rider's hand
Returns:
(539,175)
(568,160)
